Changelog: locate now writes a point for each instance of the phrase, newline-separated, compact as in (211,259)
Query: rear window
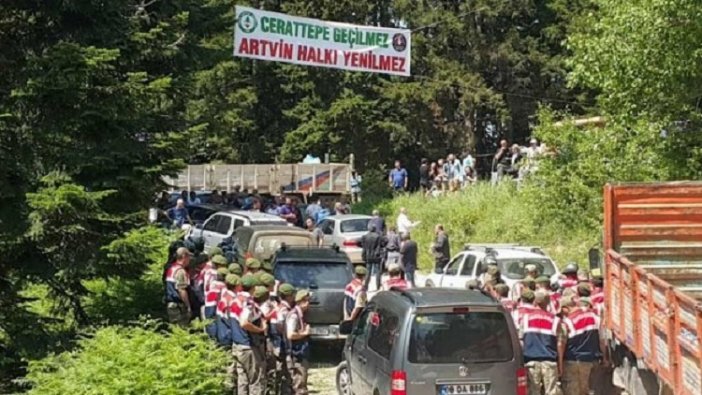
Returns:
(513,268)
(266,246)
(354,225)
(477,337)
(314,275)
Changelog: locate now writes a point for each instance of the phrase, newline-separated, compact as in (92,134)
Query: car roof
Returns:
(252,215)
(313,254)
(437,297)
(501,253)
(271,228)
(344,217)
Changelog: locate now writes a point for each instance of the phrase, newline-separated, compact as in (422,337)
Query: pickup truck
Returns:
(511,259)
(653,286)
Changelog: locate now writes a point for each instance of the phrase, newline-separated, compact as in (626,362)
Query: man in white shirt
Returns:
(404,225)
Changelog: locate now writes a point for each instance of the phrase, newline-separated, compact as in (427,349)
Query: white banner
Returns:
(283,38)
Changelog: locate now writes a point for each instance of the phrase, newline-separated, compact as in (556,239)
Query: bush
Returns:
(489,214)
(120,360)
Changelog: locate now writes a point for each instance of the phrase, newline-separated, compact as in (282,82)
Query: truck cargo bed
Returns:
(653,269)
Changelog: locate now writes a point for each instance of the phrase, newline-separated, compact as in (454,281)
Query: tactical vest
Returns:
(350,294)
(583,343)
(540,335)
(299,349)
(172,294)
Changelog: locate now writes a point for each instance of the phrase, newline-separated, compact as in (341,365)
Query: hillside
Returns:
(487,214)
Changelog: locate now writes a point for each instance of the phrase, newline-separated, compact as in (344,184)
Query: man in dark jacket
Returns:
(372,255)
(408,252)
(440,248)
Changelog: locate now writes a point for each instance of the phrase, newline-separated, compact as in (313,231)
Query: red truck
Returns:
(653,286)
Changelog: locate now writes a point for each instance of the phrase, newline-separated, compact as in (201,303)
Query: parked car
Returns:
(223,224)
(324,271)
(511,260)
(199,213)
(346,231)
(262,241)
(431,341)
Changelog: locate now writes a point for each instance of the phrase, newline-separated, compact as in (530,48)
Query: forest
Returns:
(100,99)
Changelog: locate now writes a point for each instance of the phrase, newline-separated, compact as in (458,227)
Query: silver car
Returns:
(431,341)
(223,224)
(346,231)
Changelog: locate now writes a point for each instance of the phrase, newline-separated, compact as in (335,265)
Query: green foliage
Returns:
(643,55)
(487,214)
(118,360)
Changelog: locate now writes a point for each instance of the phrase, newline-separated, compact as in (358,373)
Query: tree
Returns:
(117,360)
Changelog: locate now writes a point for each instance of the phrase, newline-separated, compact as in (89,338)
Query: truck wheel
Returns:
(429,284)
(343,379)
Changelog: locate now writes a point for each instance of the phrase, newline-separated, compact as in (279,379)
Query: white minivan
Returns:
(223,224)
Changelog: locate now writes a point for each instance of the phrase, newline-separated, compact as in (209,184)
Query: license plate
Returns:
(319,331)
(463,389)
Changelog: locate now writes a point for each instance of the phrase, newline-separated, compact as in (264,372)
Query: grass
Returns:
(486,214)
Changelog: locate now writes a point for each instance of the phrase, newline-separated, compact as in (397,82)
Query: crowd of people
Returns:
(453,173)
(558,326)
(288,207)
(246,311)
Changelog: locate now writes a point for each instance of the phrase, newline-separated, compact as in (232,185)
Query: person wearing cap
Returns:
(235,268)
(177,283)
(268,309)
(267,267)
(395,279)
(248,331)
(526,303)
(486,277)
(217,286)
(207,275)
(253,265)
(297,332)
(355,297)
(282,382)
(539,330)
(579,346)
(196,293)
(569,278)
(227,312)
(543,283)
(530,273)
(502,294)
(597,294)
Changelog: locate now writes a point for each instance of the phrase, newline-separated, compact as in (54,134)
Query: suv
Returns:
(223,224)
(431,341)
(511,260)
(324,272)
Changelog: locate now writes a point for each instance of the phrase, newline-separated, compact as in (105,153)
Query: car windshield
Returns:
(472,337)
(333,275)
(354,225)
(513,268)
(266,246)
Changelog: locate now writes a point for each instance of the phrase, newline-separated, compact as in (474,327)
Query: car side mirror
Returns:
(345,327)
(594,257)
(198,226)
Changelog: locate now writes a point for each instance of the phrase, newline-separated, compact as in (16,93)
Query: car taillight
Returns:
(522,381)
(350,243)
(398,385)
